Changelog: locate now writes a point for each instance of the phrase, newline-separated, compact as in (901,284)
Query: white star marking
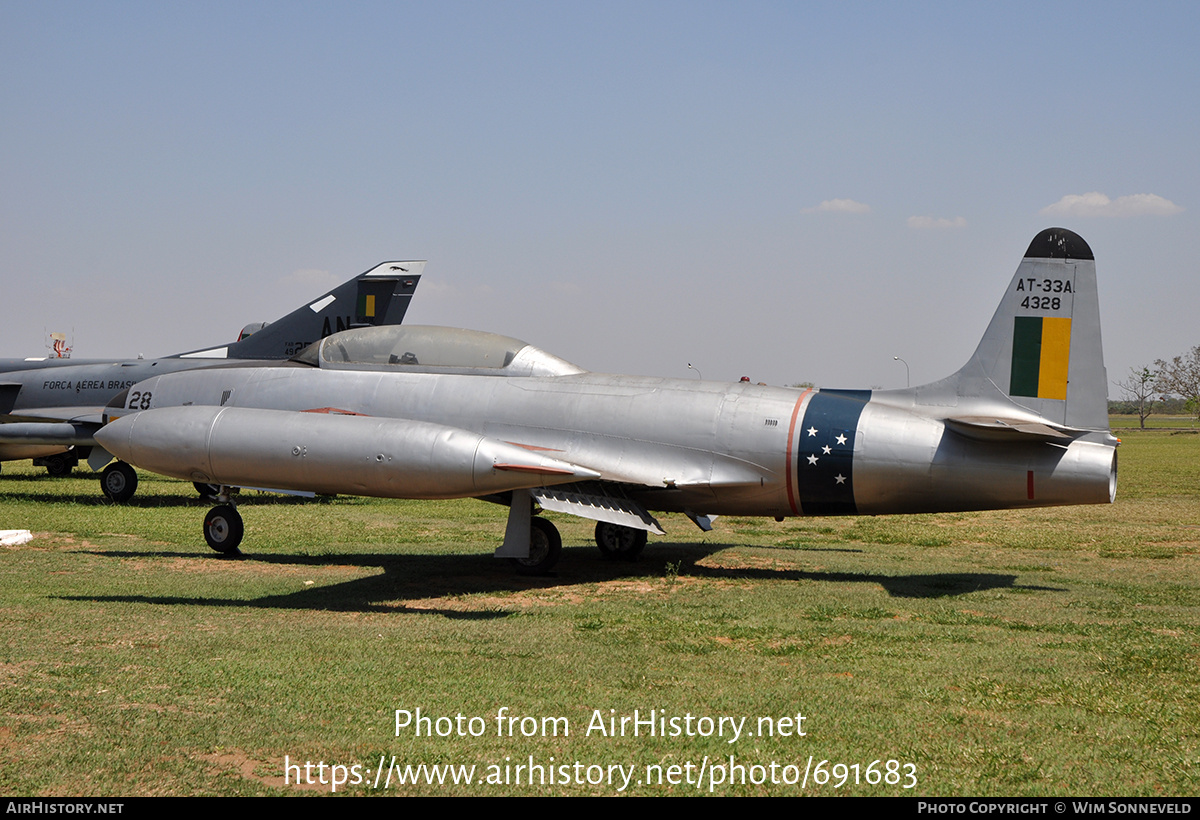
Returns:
(812,459)
(826,449)
(839,478)
(841,439)
(812,431)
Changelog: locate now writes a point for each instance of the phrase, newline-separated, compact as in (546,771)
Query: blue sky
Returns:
(633,186)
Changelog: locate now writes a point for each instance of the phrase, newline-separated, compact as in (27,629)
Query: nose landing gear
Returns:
(223,528)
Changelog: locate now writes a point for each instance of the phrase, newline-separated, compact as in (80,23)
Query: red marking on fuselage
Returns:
(1029,484)
(531,468)
(333,411)
(791,472)
(533,447)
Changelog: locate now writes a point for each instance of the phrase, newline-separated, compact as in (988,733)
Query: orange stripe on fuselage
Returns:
(791,472)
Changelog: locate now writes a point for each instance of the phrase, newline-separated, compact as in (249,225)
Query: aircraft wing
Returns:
(82,414)
(598,505)
(58,426)
(631,472)
(45,425)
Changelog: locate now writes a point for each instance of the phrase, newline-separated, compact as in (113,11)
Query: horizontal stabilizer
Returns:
(598,508)
(990,428)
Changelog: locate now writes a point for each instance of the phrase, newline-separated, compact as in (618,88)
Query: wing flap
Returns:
(619,511)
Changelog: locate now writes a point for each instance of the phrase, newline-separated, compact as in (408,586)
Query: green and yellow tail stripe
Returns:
(1041,353)
(366,305)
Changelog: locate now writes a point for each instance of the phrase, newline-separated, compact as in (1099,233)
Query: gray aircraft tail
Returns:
(1042,351)
(378,297)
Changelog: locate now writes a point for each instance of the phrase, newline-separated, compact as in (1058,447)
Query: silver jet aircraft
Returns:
(49,408)
(421,412)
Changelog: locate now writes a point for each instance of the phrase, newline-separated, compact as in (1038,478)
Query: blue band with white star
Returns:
(825,464)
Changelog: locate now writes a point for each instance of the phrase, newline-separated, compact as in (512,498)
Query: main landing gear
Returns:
(545,547)
(619,543)
(531,542)
(58,465)
(616,543)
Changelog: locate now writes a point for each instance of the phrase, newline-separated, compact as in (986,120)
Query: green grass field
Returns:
(1048,652)
(1153,421)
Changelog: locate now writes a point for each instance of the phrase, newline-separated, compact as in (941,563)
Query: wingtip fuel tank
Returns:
(328,453)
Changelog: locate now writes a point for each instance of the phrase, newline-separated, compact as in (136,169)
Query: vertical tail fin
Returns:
(1042,350)
(378,297)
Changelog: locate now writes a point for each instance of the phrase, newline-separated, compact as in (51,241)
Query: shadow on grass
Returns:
(48,495)
(411,578)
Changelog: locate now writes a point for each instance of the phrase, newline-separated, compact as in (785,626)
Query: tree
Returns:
(1139,388)
(1181,376)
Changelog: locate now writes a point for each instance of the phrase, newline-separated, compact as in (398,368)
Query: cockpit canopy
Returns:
(428,349)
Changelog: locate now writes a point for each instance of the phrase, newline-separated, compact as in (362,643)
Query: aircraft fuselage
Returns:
(717,448)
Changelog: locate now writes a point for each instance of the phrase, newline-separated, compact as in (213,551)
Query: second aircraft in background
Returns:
(50,408)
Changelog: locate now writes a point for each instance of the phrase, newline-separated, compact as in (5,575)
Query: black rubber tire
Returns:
(59,466)
(619,543)
(118,482)
(545,547)
(223,529)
